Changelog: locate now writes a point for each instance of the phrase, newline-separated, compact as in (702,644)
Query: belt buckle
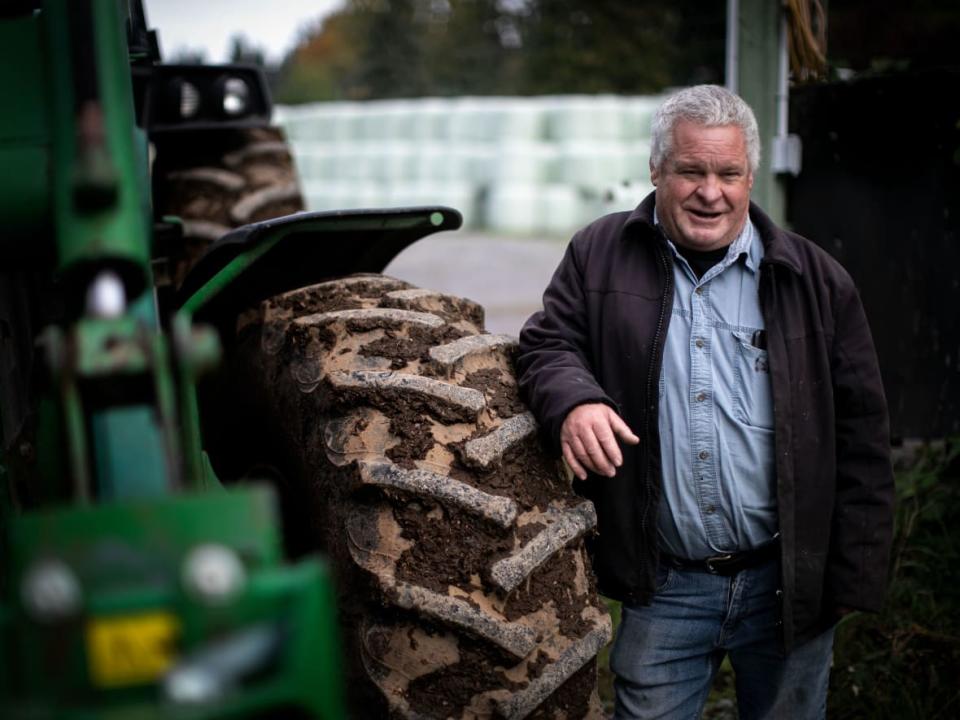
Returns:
(716,559)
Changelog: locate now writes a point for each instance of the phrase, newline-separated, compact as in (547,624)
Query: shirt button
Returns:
(699,343)
(710,509)
(699,291)
(703,455)
(701,397)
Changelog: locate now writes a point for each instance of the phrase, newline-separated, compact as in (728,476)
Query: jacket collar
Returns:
(778,247)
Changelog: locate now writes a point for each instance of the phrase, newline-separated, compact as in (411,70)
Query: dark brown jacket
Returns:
(600,338)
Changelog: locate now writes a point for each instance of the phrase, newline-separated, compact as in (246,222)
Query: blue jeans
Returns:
(666,654)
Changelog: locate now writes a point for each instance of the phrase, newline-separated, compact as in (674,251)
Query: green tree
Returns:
(242,51)
(324,62)
(410,48)
(390,60)
(599,46)
(470,51)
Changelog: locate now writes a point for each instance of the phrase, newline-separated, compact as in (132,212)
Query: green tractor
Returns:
(188,364)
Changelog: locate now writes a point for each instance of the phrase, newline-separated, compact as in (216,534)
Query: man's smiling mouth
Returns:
(704,214)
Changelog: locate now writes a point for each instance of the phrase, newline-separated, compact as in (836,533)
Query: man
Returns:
(714,377)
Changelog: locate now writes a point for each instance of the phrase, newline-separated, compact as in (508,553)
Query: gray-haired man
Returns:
(714,377)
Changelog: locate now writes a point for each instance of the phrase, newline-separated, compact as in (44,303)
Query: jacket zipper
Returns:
(668,289)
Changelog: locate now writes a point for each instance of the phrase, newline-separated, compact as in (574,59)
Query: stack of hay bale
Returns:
(537,165)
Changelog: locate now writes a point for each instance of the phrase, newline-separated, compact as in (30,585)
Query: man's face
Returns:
(703,187)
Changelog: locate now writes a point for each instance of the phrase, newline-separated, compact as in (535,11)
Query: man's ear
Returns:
(654,174)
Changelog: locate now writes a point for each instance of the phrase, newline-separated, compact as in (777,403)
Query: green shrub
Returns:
(904,662)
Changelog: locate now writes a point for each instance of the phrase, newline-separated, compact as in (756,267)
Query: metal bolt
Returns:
(192,685)
(50,591)
(213,573)
(106,297)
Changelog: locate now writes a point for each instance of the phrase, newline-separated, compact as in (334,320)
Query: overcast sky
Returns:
(208,25)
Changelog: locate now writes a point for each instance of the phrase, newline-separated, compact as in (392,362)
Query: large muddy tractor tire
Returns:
(216,182)
(457,544)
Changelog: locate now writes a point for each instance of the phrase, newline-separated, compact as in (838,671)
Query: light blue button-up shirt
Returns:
(716,410)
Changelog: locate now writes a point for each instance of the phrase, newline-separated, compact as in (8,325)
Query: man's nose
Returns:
(709,188)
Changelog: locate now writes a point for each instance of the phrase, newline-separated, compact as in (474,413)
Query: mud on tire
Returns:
(464,588)
(216,182)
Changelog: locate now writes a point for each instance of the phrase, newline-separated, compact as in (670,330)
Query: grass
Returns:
(903,663)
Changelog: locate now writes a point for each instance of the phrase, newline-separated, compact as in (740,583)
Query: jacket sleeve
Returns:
(862,531)
(554,364)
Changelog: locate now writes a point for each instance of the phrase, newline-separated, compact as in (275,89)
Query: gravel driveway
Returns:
(505,275)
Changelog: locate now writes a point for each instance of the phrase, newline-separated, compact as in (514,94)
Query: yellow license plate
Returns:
(131,649)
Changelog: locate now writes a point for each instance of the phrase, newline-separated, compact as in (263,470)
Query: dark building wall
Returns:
(880,190)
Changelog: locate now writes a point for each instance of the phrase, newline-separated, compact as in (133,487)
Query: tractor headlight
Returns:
(189,98)
(213,573)
(51,591)
(236,96)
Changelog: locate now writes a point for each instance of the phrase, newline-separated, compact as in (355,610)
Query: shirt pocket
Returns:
(754,399)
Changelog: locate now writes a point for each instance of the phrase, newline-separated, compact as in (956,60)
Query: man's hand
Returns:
(589,440)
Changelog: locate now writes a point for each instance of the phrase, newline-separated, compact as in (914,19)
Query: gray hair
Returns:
(709,105)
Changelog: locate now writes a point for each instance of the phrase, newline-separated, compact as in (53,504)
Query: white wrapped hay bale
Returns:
(584,118)
(592,163)
(518,120)
(513,208)
(370,161)
(461,196)
(637,116)
(431,120)
(562,209)
(371,121)
(398,163)
(431,162)
(488,119)
(624,195)
(411,194)
(399,118)
(523,162)
(298,123)
(452,151)
(322,196)
(636,159)
(479,162)
(352,161)
(339,122)
(314,160)
(467,117)
(467,162)
(360,195)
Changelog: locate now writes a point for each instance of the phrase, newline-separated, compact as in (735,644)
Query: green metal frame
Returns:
(124,490)
(375,237)
(128,557)
(99,187)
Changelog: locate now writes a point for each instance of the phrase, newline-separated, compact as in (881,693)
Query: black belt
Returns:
(729,563)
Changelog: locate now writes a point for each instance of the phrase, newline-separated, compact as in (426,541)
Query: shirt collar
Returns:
(747,243)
